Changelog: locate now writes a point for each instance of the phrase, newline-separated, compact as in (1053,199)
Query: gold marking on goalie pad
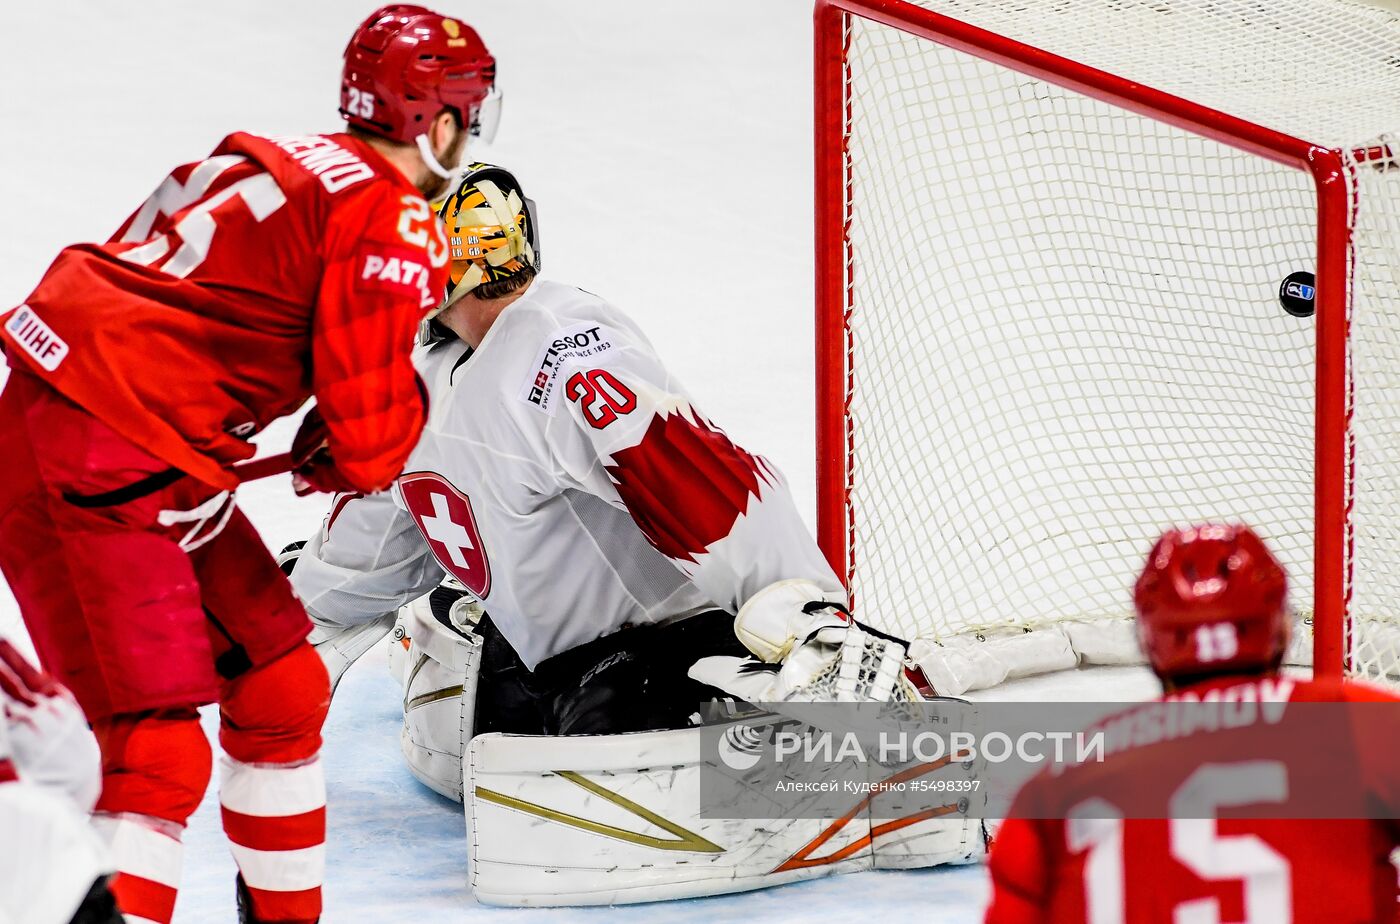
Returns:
(685,840)
(424,699)
(412,676)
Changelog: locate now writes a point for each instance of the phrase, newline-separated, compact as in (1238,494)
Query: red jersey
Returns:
(275,270)
(1099,869)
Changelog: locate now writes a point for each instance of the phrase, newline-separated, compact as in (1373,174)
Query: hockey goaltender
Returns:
(583,536)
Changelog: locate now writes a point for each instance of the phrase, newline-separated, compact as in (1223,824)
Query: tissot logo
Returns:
(578,342)
(550,363)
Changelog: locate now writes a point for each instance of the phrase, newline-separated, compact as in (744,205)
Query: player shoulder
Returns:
(555,328)
(439,357)
(565,317)
(1341,691)
(1283,687)
(339,167)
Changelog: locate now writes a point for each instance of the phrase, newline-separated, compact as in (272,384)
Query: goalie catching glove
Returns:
(809,649)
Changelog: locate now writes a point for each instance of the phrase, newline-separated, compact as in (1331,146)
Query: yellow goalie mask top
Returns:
(490,230)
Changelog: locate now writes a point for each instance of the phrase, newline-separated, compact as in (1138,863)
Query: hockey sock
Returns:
(275,819)
(148,854)
(155,768)
(272,788)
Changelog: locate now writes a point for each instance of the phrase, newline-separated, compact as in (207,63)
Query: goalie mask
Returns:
(490,230)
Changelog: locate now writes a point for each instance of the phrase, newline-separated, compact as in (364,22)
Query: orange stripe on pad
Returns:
(803,858)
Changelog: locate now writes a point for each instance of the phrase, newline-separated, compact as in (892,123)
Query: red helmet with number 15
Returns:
(405,64)
(1212,600)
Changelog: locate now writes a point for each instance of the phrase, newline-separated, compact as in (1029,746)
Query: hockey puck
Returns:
(1298,294)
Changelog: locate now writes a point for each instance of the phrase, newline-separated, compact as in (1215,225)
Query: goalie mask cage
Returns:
(1051,238)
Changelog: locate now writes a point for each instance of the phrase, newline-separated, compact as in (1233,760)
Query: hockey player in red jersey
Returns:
(275,270)
(1213,623)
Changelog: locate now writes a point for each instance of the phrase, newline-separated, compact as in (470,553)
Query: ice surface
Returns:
(668,145)
(397,851)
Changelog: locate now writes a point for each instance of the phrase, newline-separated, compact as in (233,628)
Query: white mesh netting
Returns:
(1066,333)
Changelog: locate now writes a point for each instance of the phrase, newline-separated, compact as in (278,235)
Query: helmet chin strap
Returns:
(426,149)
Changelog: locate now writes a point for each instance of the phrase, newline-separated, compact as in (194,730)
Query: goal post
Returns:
(1049,238)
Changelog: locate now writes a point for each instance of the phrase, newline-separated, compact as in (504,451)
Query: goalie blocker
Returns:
(567,805)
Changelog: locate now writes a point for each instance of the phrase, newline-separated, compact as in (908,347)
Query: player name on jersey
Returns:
(335,167)
(1188,713)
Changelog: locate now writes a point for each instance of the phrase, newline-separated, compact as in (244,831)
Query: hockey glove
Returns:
(313,469)
(52,743)
(820,652)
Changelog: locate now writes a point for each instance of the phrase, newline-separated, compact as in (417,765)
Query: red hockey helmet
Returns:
(405,64)
(1212,600)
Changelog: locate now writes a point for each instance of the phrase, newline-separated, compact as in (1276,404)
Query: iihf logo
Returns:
(36,338)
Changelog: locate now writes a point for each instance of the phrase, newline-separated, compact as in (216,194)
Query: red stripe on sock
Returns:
(143,898)
(302,907)
(276,832)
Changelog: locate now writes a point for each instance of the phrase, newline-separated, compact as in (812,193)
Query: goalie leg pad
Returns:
(439,700)
(623,824)
(460,678)
(463,678)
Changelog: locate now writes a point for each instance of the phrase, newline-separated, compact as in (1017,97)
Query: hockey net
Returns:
(1050,323)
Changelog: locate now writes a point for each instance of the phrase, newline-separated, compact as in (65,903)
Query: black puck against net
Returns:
(1298,294)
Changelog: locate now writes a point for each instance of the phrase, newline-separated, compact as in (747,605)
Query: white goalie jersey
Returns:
(566,480)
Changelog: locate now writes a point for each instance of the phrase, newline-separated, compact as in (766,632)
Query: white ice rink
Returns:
(668,143)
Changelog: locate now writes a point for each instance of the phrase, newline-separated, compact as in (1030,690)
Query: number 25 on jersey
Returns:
(258,194)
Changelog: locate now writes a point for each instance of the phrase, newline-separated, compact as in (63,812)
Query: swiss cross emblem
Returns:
(444,516)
